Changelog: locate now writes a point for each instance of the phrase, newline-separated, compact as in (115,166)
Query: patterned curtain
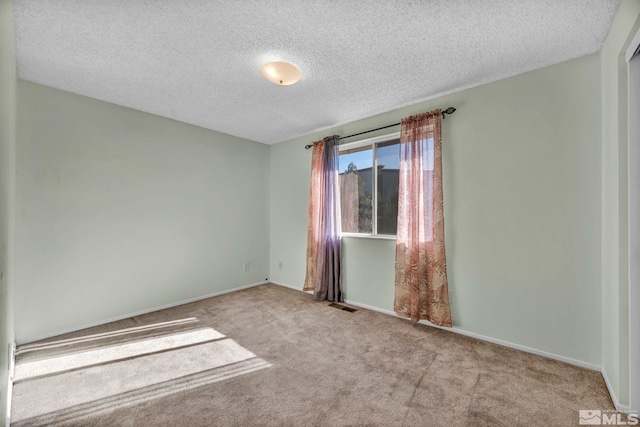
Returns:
(421,290)
(323,237)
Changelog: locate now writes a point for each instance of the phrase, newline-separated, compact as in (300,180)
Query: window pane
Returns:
(356,188)
(388,171)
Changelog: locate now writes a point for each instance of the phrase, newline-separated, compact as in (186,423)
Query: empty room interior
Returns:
(192,235)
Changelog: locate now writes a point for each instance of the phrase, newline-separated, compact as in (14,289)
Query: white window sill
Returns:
(369,236)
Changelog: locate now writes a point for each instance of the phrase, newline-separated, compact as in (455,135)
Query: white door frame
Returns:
(633,141)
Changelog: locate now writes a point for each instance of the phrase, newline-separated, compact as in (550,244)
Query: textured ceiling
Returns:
(198,61)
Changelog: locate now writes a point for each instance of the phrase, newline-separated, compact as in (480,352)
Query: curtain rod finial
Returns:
(449,110)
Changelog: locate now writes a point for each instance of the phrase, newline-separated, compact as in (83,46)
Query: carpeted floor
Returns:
(270,356)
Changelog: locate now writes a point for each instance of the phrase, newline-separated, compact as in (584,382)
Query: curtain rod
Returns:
(449,110)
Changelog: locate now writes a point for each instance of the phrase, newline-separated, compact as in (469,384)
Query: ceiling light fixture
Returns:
(281,73)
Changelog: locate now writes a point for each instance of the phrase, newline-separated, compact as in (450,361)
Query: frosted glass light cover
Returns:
(281,73)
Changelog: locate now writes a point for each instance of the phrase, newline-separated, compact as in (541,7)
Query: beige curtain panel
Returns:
(421,290)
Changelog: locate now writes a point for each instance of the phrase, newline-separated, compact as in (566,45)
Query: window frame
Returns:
(373,143)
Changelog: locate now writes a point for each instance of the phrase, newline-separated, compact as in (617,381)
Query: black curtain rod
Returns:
(449,110)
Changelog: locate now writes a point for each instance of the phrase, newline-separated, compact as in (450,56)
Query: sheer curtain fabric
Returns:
(421,290)
(323,234)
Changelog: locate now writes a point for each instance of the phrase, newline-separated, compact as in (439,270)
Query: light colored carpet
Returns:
(270,356)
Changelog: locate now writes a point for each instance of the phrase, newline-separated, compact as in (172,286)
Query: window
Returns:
(369,186)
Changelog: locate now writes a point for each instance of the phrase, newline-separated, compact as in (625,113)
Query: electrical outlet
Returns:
(246,266)
(280,264)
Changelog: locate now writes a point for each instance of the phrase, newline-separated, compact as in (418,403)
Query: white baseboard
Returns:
(12,364)
(571,361)
(138,313)
(503,343)
(286,285)
(614,396)
(290,287)
(477,336)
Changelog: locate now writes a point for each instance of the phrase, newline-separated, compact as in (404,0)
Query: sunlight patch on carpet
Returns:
(104,335)
(72,386)
(75,414)
(112,353)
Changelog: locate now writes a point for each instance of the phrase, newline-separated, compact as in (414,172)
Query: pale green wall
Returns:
(7,185)
(122,211)
(615,291)
(522,211)
(101,185)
